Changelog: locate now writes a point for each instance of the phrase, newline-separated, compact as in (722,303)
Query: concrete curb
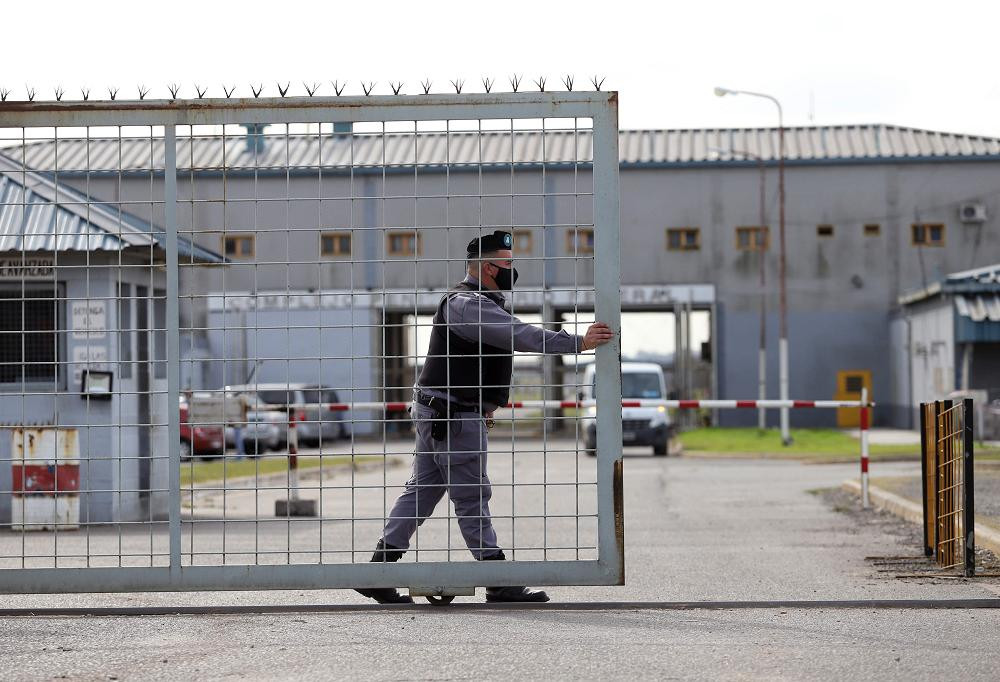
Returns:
(913,512)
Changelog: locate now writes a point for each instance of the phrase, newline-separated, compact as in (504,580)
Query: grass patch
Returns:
(228,468)
(814,443)
(821,444)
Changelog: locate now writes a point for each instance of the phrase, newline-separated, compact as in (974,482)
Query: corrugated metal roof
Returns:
(979,308)
(985,275)
(36,214)
(807,144)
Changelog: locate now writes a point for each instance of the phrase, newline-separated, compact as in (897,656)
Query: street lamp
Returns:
(762,346)
(783,294)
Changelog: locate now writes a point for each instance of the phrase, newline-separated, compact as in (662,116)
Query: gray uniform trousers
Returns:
(456,464)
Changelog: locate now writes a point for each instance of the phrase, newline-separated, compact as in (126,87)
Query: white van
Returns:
(640,425)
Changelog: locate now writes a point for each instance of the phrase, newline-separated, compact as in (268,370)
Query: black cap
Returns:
(489,243)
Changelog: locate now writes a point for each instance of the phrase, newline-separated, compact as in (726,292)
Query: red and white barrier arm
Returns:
(678,404)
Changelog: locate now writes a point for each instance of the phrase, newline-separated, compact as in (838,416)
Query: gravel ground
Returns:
(987,490)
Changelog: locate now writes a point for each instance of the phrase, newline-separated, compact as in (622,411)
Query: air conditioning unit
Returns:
(972,212)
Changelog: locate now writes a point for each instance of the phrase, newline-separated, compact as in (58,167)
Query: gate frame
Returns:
(600,107)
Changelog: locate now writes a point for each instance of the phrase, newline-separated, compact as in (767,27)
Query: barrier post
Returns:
(864,447)
(294,505)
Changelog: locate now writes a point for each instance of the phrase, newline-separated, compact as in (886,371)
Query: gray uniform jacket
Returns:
(475,317)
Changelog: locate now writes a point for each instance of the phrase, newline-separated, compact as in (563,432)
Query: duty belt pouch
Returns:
(439,423)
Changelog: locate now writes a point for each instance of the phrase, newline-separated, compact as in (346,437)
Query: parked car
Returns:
(315,422)
(200,440)
(640,425)
(263,430)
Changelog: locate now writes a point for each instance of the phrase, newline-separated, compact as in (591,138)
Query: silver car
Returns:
(315,422)
(263,430)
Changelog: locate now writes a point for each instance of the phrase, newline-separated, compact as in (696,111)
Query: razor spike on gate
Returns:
(397,87)
(568,82)
(311,89)
(143,91)
(229,91)
(257,90)
(4,93)
(85,93)
(541,84)
(368,87)
(200,91)
(174,88)
(426,85)
(112,93)
(338,87)
(515,82)
(597,83)
(59,93)
(458,84)
(487,84)
(31,93)
(283,90)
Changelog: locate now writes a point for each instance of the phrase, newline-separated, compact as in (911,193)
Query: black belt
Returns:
(443,405)
(443,410)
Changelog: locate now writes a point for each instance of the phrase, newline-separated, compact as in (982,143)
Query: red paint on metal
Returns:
(746,403)
(631,403)
(45,478)
(396,407)
(339,407)
(864,465)
(804,403)
(864,418)
(689,404)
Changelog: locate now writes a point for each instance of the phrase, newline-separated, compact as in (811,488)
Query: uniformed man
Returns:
(466,376)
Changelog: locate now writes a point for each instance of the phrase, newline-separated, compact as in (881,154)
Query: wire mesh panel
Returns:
(251,339)
(947,462)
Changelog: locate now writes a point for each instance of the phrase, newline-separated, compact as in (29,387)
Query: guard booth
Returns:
(83,346)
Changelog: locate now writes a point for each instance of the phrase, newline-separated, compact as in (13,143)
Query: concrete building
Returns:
(873,211)
(947,338)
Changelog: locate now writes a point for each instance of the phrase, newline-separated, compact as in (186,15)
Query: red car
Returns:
(200,441)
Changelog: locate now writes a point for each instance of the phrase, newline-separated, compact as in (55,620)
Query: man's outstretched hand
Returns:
(597,334)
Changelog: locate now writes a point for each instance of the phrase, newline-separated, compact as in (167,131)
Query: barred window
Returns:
(238,245)
(403,243)
(683,238)
(755,238)
(335,244)
(928,234)
(30,321)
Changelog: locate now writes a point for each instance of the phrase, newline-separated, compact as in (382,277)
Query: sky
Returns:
(915,63)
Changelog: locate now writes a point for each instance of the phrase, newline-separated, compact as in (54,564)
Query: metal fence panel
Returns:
(293,250)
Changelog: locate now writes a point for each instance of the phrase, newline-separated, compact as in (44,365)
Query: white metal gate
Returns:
(155,253)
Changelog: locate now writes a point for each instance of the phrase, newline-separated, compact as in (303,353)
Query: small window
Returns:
(403,243)
(824,230)
(854,383)
(523,242)
(238,245)
(335,244)
(683,239)
(872,229)
(928,234)
(755,238)
(580,240)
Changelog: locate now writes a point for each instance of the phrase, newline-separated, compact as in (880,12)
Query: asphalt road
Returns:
(695,530)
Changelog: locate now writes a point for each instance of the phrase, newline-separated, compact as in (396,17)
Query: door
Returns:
(850,382)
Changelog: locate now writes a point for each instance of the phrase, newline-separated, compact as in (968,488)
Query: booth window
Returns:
(824,230)
(30,321)
(872,229)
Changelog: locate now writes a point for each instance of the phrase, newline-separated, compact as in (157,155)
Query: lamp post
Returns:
(783,295)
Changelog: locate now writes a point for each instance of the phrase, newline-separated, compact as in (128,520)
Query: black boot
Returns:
(386,595)
(511,594)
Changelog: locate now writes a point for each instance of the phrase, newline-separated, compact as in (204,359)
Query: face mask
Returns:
(506,278)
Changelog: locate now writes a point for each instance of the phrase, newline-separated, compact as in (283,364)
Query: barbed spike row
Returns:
(313,87)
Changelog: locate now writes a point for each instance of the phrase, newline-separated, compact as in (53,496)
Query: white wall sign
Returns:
(90,319)
(88,357)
